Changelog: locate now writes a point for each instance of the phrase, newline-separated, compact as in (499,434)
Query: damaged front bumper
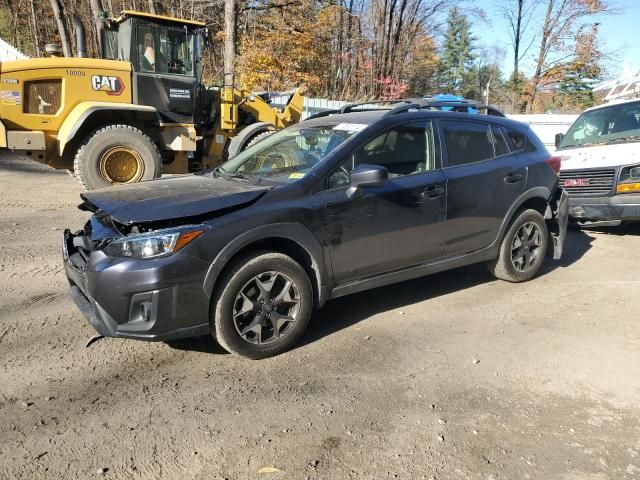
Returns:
(609,211)
(557,218)
(161,299)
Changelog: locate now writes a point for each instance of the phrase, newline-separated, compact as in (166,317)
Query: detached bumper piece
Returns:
(558,221)
(144,315)
(604,211)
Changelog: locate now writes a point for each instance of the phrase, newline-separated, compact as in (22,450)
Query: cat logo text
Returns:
(105,83)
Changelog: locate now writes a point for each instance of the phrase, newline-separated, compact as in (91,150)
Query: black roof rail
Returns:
(325,113)
(403,108)
(403,105)
(375,105)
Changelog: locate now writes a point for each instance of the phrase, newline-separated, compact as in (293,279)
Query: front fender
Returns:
(81,113)
(288,231)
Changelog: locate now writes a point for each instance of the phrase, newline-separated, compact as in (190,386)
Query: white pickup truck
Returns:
(601,164)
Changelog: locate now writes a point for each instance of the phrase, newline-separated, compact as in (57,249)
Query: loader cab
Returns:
(165,55)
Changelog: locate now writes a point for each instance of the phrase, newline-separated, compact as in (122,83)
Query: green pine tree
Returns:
(457,75)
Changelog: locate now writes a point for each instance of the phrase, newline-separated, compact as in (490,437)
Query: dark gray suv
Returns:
(328,207)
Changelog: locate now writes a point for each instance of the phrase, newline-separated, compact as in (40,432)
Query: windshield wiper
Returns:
(220,172)
(624,139)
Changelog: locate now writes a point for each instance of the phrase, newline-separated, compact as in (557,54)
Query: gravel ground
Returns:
(451,376)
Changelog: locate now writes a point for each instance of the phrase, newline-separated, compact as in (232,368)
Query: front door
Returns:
(484,178)
(165,77)
(395,225)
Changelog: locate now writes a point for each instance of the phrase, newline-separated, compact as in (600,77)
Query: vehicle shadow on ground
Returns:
(13,163)
(577,243)
(350,310)
(202,344)
(347,311)
(624,229)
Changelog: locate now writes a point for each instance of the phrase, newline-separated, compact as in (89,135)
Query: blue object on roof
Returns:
(447,97)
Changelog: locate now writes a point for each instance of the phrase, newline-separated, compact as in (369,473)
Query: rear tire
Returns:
(263,305)
(115,155)
(523,248)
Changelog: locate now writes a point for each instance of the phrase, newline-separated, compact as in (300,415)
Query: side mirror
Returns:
(366,176)
(559,138)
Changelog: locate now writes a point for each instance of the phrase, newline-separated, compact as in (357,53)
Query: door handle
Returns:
(513,178)
(432,191)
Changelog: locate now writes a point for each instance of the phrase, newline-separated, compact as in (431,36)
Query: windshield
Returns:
(289,154)
(616,123)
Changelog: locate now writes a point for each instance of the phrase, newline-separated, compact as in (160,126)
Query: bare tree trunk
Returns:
(229,41)
(535,80)
(35,29)
(56,6)
(96,9)
(516,54)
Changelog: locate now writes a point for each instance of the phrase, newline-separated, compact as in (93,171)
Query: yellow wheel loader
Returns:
(139,111)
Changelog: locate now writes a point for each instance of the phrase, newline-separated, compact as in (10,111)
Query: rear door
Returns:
(484,178)
(395,225)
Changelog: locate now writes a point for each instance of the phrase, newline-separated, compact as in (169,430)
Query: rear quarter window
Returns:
(519,141)
(499,141)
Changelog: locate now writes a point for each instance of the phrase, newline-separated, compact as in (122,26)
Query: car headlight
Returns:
(629,180)
(160,243)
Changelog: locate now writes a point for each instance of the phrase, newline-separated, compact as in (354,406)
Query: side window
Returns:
(403,150)
(467,142)
(519,141)
(499,142)
(146,50)
(165,50)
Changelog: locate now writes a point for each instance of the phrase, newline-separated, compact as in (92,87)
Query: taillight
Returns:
(554,163)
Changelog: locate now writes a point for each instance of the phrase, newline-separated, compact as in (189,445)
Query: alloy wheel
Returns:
(266,307)
(526,247)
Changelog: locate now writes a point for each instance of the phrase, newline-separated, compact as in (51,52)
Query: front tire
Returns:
(523,248)
(115,155)
(263,305)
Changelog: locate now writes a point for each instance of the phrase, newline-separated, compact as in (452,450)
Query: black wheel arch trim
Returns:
(285,231)
(147,111)
(542,193)
(237,143)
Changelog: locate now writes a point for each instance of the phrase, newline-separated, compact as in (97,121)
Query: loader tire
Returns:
(116,155)
(249,136)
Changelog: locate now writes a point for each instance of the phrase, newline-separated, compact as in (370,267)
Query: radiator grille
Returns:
(42,97)
(588,182)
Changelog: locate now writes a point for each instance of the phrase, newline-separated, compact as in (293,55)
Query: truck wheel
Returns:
(523,248)
(114,155)
(263,305)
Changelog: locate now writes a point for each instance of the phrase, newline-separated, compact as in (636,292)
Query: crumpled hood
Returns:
(171,198)
(599,156)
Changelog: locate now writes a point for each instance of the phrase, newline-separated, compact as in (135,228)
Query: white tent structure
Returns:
(622,88)
(9,52)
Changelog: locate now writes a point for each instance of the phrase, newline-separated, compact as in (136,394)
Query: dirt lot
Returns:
(451,376)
